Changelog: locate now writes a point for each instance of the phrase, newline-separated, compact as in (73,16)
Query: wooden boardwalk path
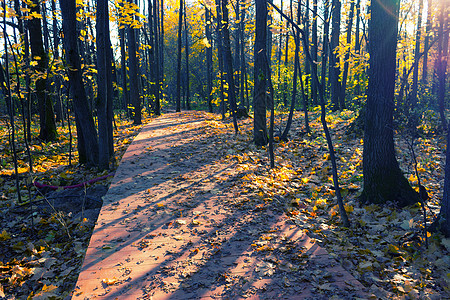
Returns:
(174,225)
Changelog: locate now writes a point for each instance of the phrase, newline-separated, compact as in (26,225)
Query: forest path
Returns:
(176,225)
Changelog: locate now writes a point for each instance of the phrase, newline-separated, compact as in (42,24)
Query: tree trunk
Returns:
(237,48)
(180,27)
(443,222)
(135,96)
(56,78)
(260,56)
(334,60)
(314,50)
(87,134)
(186,52)
(104,82)
(157,66)
(426,43)
(123,67)
(383,179)
(209,61)
(228,63)
(47,131)
(220,56)
(324,57)
(242,71)
(347,53)
(441,68)
(415,85)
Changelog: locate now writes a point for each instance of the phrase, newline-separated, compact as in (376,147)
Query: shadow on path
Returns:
(176,224)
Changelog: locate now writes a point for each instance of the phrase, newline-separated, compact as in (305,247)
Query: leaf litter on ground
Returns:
(384,249)
(44,238)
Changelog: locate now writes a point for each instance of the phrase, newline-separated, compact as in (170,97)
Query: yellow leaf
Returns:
(109,281)
(33,63)
(348,208)
(47,289)
(4,235)
(35,15)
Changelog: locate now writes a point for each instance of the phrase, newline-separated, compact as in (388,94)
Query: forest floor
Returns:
(249,206)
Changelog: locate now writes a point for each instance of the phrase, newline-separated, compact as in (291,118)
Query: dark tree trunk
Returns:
(47,122)
(157,40)
(56,78)
(383,179)
(228,63)
(347,54)
(123,67)
(334,60)
(242,60)
(269,37)
(220,56)
(104,83)
(443,222)
(357,43)
(26,57)
(180,27)
(415,85)
(426,43)
(135,96)
(237,48)
(441,62)
(208,59)
(186,52)
(324,58)
(45,27)
(87,134)
(161,51)
(314,50)
(260,73)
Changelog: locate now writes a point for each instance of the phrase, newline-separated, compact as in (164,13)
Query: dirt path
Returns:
(176,225)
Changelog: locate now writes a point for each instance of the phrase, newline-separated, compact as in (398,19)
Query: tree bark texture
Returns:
(87,134)
(383,179)
(135,97)
(228,63)
(47,131)
(334,60)
(180,27)
(259,98)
